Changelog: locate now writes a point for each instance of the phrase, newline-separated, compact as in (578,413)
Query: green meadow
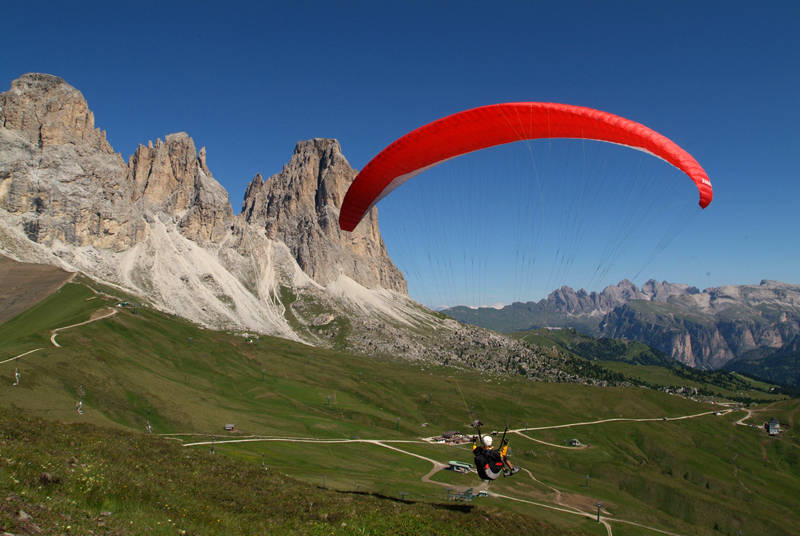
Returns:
(704,475)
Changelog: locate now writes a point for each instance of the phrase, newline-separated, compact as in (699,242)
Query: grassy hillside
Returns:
(82,479)
(643,365)
(603,349)
(694,476)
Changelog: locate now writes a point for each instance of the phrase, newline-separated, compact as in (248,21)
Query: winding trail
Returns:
(437,466)
(749,414)
(110,312)
(55,332)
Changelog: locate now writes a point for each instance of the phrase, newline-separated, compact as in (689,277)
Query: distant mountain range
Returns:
(707,329)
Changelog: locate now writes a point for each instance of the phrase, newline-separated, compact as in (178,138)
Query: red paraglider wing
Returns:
(497,124)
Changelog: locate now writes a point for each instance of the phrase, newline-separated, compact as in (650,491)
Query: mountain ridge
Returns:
(704,329)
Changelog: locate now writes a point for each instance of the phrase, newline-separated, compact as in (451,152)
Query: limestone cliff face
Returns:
(46,111)
(61,177)
(171,177)
(300,207)
(708,329)
(57,172)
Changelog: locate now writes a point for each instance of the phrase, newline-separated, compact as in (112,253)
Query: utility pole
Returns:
(599,505)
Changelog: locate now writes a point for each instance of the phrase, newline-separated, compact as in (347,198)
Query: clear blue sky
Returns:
(719,78)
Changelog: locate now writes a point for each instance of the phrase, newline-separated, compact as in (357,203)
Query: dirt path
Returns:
(601,421)
(437,466)
(101,293)
(619,419)
(562,505)
(603,520)
(93,318)
(20,355)
(741,421)
(547,443)
(556,492)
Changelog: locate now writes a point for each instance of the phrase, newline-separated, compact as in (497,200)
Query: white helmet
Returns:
(487,441)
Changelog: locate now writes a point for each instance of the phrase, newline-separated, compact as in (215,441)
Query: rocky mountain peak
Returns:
(47,111)
(300,207)
(64,182)
(161,226)
(171,177)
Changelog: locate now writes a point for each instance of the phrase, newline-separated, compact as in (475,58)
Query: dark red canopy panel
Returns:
(497,124)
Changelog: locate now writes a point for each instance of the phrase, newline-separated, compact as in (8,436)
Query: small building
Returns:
(773,427)
(452,437)
(460,467)
(230,427)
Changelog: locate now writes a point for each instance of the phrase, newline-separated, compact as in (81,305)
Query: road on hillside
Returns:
(601,421)
(20,355)
(605,520)
(741,421)
(55,332)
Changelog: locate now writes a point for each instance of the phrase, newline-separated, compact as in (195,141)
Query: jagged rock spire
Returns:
(300,207)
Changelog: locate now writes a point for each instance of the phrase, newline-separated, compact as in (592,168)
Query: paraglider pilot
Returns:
(490,462)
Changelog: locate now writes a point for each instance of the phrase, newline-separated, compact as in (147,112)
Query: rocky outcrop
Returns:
(63,180)
(300,207)
(172,178)
(58,174)
(45,111)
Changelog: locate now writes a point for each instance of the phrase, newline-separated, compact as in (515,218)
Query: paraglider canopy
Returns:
(498,124)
